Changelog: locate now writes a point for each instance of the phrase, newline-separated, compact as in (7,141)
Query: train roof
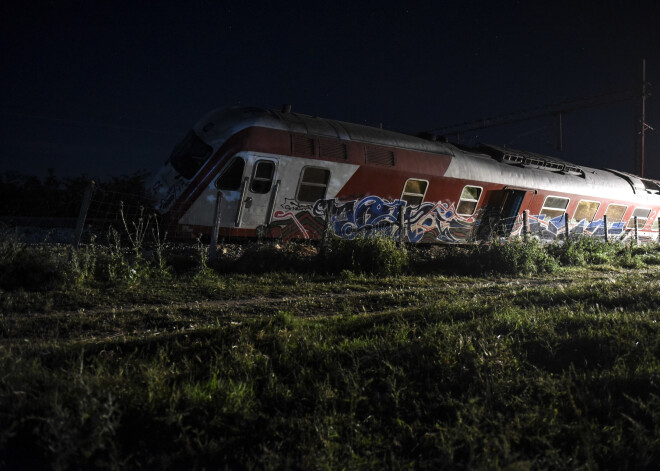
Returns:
(536,168)
(295,122)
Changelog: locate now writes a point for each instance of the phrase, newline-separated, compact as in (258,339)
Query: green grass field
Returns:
(424,368)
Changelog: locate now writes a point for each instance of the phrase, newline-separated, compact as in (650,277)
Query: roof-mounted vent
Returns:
(651,187)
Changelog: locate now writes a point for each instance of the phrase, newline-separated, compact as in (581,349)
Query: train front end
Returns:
(213,159)
(172,180)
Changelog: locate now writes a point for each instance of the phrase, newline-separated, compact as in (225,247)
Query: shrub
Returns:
(651,259)
(517,256)
(10,246)
(83,262)
(33,269)
(582,250)
(629,255)
(270,257)
(372,254)
(183,262)
(512,257)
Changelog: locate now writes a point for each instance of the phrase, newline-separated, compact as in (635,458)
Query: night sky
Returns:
(108,88)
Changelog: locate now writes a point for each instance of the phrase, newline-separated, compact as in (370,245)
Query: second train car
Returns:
(286,175)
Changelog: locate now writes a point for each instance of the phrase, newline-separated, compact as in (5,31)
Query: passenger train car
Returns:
(290,176)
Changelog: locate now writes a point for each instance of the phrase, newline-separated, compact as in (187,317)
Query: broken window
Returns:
(189,155)
(231,177)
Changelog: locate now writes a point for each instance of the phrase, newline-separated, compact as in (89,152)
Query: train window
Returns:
(313,184)
(262,177)
(468,201)
(230,179)
(189,155)
(615,212)
(554,206)
(642,216)
(586,210)
(654,227)
(414,191)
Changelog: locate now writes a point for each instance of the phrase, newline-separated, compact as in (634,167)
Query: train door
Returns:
(249,187)
(230,182)
(511,207)
(259,189)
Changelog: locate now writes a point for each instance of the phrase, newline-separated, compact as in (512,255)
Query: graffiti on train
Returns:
(427,222)
(550,229)
(374,215)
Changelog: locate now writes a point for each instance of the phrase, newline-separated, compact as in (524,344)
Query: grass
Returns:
(431,367)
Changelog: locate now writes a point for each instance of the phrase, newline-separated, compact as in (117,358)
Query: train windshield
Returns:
(189,155)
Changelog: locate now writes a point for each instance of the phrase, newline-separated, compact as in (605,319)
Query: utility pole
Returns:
(643,126)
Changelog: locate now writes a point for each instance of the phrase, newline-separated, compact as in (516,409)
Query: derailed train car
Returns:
(285,175)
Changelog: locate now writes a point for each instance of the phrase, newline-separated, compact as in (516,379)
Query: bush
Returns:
(651,259)
(373,254)
(628,255)
(33,269)
(272,257)
(512,257)
(517,256)
(580,251)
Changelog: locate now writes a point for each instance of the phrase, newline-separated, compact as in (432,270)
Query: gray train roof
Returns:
(487,163)
(243,117)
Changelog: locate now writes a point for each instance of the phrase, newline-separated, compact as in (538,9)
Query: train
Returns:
(276,174)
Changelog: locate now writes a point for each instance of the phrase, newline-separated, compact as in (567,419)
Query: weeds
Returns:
(38,266)
(159,247)
(30,267)
(515,257)
(273,257)
(375,254)
(484,373)
(581,251)
(137,230)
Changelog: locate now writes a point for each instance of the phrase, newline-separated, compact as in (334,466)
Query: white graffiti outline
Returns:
(282,214)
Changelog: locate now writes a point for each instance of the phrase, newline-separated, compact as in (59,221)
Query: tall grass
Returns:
(517,256)
(376,254)
(471,378)
(130,258)
(581,251)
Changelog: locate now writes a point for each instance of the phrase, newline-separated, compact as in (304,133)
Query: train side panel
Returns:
(282,175)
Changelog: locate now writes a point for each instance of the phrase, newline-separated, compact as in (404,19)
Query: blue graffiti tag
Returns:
(372,214)
(438,222)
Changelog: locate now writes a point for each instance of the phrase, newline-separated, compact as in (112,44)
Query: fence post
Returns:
(566,226)
(636,231)
(605,227)
(216,225)
(82,215)
(402,224)
(329,211)
(526,224)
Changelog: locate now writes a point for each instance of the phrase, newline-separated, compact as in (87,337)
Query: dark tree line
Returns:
(55,197)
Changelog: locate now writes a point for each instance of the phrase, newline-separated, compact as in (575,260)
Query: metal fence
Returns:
(91,210)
